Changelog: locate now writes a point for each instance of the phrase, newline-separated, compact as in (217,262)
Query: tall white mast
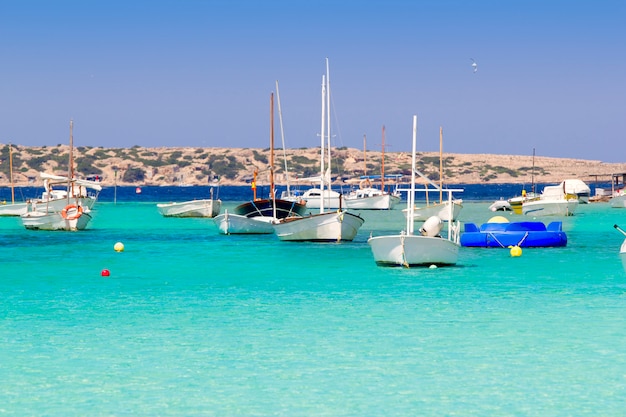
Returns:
(282,135)
(411,196)
(323,138)
(328,125)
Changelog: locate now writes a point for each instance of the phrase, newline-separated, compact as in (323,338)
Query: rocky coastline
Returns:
(237,166)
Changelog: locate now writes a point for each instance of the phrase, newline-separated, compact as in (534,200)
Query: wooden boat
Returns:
(426,249)
(75,213)
(258,215)
(326,226)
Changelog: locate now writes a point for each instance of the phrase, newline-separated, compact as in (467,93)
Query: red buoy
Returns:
(105,273)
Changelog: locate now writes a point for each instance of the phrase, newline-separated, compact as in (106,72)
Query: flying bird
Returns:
(474,65)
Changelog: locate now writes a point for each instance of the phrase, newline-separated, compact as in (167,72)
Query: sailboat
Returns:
(446,210)
(75,214)
(325,226)
(367,197)
(13,209)
(258,215)
(428,248)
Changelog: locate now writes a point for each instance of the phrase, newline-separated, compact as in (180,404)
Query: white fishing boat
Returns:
(209,207)
(368,197)
(57,192)
(326,226)
(446,210)
(553,201)
(258,215)
(71,218)
(70,213)
(426,249)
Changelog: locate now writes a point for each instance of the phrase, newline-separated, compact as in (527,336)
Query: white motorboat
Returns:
(333,226)
(316,198)
(192,208)
(370,198)
(553,201)
(209,207)
(427,249)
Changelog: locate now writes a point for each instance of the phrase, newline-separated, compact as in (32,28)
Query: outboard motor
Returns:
(431,227)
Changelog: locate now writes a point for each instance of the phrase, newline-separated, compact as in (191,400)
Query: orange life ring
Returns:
(79,212)
(366,183)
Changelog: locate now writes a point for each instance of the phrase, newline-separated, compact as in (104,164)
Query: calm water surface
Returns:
(191,322)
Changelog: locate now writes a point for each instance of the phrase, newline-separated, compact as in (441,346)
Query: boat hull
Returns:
(410,250)
(265,207)
(37,220)
(324,227)
(522,234)
(313,197)
(16,209)
(618,201)
(193,208)
(371,202)
(543,207)
(235,224)
(441,210)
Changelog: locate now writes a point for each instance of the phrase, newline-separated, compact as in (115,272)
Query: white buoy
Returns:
(118,247)
(432,226)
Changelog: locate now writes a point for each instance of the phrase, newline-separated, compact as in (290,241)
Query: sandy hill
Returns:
(234,166)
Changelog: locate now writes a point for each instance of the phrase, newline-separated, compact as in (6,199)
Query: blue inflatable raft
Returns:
(522,234)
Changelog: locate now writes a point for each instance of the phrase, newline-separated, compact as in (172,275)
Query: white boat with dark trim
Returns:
(326,226)
(257,216)
(427,249)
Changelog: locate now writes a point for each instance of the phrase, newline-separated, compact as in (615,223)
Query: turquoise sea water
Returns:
(193,323)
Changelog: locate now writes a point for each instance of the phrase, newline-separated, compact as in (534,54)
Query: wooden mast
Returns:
(272,192)
(440,164)
(11,174)
(364,155)
(382,174)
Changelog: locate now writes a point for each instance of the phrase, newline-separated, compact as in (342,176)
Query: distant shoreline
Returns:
(139,166)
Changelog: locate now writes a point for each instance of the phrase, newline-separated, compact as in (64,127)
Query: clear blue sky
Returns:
(551,74)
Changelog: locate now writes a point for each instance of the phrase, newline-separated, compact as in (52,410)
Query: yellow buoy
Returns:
(516,251)
(119,247)
(498,219)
